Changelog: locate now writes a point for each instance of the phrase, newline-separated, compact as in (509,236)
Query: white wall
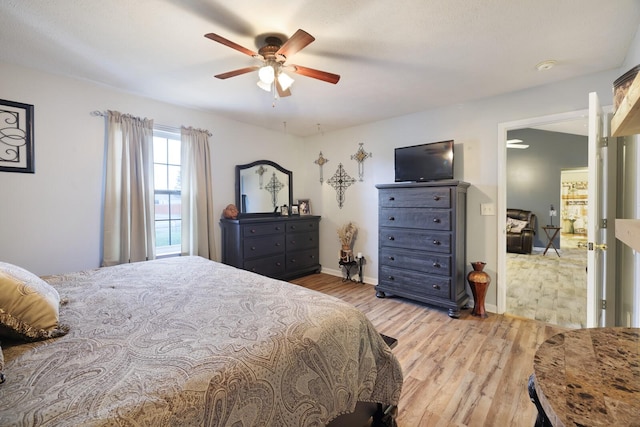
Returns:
(50,221)
(473,126)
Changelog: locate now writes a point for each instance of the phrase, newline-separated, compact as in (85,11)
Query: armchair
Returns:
(521,228)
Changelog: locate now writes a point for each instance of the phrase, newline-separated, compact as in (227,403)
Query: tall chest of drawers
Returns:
(421,247)
(279,247)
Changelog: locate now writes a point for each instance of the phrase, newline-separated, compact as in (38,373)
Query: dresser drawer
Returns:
(298,241)
(270,266)
(302,226)
(428,219)
(439,197)
(424,262)
(249,230)
(432,241)
(413,282)
(262,246)
(302,259)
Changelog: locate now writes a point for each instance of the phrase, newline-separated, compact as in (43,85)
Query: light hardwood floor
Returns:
(457,372)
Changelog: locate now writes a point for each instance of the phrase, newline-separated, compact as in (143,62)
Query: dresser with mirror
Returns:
(263,240)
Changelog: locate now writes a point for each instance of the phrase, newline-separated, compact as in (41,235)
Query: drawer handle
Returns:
(310,225)
(253,230)
(436,220)
(277,228)
(436,287)
(293,242)
(277,244)
(436,198)
(293,227)
(293,261)
(253,248)
(278,263)
(437,242)
(391,218)
(436,264)
(392,258)
(392,238)
(391,199)
(391,278)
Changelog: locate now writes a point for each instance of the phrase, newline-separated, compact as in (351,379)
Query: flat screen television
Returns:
(424,162)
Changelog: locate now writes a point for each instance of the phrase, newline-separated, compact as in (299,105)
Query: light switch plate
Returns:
(487,209)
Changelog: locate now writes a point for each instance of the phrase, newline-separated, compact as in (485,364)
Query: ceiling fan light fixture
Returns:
(285,81)
(267,74)
(264,86)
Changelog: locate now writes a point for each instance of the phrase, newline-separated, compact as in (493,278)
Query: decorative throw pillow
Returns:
(28,306)
(515,225)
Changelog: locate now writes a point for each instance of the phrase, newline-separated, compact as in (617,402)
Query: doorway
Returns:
(574,123)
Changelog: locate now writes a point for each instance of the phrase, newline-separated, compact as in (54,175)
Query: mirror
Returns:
(262,187)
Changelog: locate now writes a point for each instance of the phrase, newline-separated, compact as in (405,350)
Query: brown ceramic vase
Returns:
(478,282)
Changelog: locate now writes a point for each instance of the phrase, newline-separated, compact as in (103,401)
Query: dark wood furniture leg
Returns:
(541,420)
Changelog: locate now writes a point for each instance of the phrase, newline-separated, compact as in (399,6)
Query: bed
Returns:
(190,342)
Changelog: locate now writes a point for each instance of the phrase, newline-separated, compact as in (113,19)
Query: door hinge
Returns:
(604,141)
(603,224)
(604,304)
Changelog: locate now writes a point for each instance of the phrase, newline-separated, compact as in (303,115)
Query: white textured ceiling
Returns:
(394,57)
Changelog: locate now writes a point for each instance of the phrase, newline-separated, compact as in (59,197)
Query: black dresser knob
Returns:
(436,242)
(392,238)
(391,199)
(436,265)
(436,287)
(436,198)
(436,220)
(391,278)
(392,258)
(391,218)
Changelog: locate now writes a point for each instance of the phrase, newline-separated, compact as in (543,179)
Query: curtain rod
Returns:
(97,113)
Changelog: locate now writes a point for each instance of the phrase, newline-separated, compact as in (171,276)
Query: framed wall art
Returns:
(16,137)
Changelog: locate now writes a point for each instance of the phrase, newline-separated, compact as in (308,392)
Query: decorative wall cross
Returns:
(260,171)
(340,181)
(273,187)
(360,157)
(320,161)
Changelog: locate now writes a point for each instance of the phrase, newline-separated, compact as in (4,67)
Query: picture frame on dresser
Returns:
(295,210)
(305,206)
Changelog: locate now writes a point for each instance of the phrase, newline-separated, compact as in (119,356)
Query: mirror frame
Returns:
(240,168)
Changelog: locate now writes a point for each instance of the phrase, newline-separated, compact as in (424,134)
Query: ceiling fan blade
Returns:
(316,74)
(236,72)
(296,43)
(282,93)
(232,45)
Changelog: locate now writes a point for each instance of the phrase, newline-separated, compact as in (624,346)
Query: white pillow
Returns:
(28,306)
(515,225)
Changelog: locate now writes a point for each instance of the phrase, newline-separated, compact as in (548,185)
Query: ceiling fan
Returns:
(274,54)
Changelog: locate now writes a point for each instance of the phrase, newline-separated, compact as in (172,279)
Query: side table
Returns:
(552,233)
(348,265)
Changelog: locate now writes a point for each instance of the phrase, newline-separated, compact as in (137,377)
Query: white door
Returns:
(600,220)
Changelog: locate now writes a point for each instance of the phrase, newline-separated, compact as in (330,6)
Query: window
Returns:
(167,183)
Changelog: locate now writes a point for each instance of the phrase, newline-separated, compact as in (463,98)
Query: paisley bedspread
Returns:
(190,342)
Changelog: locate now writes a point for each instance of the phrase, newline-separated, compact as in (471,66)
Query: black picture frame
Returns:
(16,137)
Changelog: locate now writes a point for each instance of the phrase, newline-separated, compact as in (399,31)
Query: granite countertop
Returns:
(590,377)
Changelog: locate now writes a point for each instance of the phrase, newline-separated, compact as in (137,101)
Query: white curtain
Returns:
(197,196)
(129,230)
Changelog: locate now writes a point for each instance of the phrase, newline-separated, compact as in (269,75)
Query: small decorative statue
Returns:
(346,235)
(230,212)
